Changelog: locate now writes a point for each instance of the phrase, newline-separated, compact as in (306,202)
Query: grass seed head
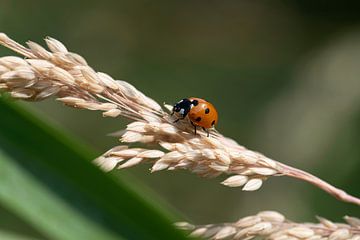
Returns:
(271,225)
(58,73)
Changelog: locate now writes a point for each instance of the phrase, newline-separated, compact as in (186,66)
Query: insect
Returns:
(201,113)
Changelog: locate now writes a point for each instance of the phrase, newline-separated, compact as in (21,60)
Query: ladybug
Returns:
(201,113)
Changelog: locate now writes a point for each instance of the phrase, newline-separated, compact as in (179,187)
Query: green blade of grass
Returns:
(47,179)
(30,199)
(5,235)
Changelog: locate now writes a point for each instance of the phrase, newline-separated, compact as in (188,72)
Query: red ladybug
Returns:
(201,113)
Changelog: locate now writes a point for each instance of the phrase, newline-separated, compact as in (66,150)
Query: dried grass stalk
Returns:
(68,77)
(274,226)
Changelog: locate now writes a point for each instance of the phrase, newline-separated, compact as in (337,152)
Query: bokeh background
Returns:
(284,76)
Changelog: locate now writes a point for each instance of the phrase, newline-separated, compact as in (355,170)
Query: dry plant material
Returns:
(67,76)
(274,226)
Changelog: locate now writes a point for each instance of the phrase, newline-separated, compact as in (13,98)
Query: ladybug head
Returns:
(177,107)
(183,107)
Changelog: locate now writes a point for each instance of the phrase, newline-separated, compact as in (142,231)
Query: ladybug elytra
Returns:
(200,112)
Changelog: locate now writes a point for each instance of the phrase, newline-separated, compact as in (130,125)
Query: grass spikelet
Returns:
(58,73)
(274,226)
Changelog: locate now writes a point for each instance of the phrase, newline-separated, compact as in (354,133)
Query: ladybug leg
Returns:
(179,119)
(207,132)
(194,127)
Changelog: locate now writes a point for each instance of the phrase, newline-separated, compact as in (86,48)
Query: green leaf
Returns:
(47,179)
(5,235)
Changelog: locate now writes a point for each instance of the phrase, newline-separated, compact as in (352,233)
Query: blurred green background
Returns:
(284,76)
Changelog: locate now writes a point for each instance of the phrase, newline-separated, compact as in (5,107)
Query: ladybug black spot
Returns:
(207,111)
(195,102)
(198,119)
(213,122)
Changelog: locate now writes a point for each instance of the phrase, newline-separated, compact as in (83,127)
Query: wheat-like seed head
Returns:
(274,226)
(69,78)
